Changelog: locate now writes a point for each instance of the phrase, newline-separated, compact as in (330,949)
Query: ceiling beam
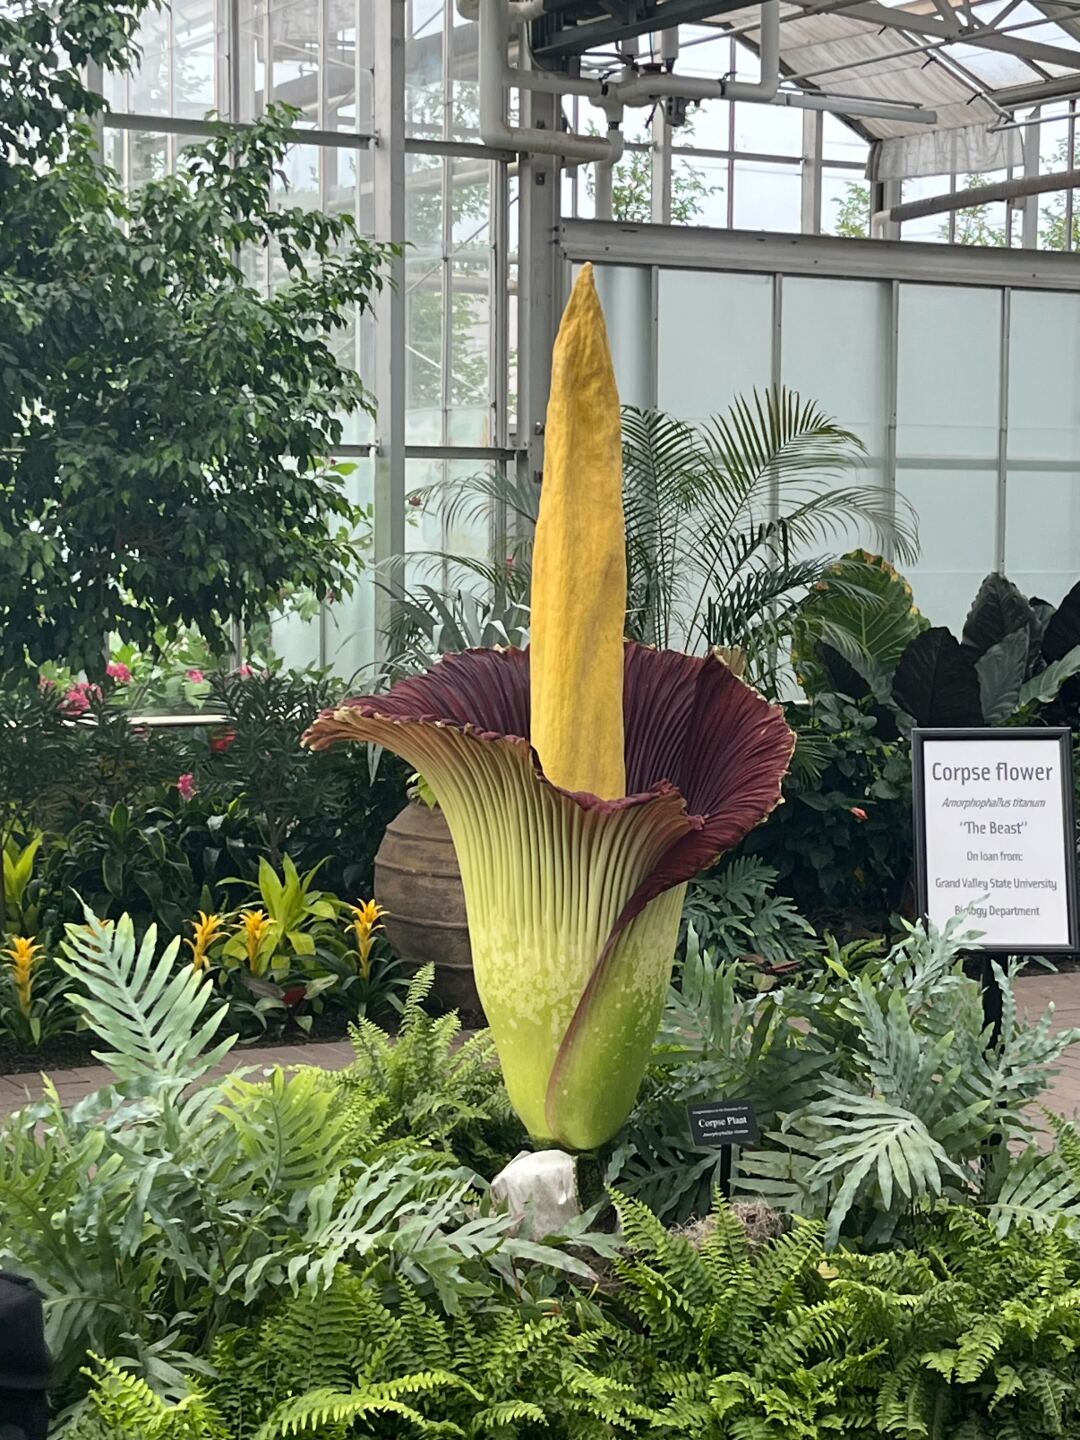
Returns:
(988,39)
(592,34)
(1018,97)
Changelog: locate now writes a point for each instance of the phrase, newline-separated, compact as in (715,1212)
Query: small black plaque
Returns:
(723,1122)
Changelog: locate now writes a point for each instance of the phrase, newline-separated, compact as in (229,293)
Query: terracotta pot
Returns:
(418,880)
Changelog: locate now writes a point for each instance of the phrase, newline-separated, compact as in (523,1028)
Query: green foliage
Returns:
(188,481)
(1013,662)
(697,1334)
(301,1254)
(863,604)
(117,832)
(34,756)
(911,1095)
(716,1039)
(703,568)
(150,1016)
(284,785)
(841,843)
(119,862)
(177,1211)
(427,1084)
(734,913)
(874,1087)
(33,1007)
(22,916)
(852,217)
(429,622)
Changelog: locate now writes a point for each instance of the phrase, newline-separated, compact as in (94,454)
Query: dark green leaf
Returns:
(998,611)
(1001,674)
(936,682)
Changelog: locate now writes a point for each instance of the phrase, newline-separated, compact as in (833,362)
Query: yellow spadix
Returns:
(579,563)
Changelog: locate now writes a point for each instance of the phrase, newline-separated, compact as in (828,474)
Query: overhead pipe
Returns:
(1017,189)
(646,89)
(640,89)
(495,78)
(604,198)
(643,89)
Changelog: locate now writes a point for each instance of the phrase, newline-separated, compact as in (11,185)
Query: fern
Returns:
(287,1129)
(320,1409)
(425,1086)
(911,1097)
(124,1405)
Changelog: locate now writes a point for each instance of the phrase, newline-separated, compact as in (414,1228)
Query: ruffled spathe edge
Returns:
(692,727)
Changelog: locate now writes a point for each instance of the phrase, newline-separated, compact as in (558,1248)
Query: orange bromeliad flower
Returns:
(365,922)
(254,928)
(23,955)
(207,929)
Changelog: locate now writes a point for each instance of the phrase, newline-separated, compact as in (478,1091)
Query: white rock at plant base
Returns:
(539,1189)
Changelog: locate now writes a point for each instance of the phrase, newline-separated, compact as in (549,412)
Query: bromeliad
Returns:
(365,923)
(207,931)
(584,782)
(23,955)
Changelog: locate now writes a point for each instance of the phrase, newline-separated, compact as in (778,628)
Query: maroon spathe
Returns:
(691,726)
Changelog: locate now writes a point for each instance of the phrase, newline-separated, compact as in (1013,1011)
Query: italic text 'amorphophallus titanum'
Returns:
(584,781)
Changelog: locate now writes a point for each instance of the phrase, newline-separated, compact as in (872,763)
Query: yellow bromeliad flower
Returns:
(253,928)
(23,955)
(207,929)
(366,921)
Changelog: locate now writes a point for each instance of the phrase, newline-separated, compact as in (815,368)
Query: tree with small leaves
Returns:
(852,217)
(166,429)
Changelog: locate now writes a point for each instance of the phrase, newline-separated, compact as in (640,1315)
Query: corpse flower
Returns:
(584,781)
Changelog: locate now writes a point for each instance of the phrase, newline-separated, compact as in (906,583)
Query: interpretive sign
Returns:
(723,1122)
(994,835)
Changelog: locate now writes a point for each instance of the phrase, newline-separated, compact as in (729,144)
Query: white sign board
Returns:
(994,834)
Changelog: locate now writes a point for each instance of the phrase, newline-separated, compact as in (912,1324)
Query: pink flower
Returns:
(118,671)
(196,677)
(45,684)
(245,672)
(859,812)
(220,743)
(185,784)
(80,697)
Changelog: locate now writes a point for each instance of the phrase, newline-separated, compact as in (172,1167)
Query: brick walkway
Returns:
(72,1085)
(1035,992)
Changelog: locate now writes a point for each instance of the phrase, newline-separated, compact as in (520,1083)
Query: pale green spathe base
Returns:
(546,880)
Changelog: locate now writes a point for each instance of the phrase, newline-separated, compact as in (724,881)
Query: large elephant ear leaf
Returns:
(843,676)
(1001,673)
(862,608)
(1044,611)
(998,611)
(1043,688)
(936,682)
(1062,632)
